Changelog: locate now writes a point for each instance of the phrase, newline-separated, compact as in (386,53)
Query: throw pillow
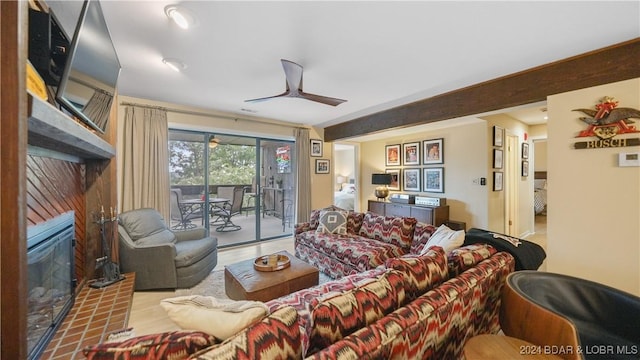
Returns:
(221,318)
(170,345)
(333,222)
(445,238)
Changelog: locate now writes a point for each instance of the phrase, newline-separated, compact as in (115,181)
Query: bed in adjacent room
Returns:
(540,193)
(345,198)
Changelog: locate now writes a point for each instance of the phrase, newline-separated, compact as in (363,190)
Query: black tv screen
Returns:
(90,76)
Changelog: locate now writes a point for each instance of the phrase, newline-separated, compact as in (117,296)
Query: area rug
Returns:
(213,285)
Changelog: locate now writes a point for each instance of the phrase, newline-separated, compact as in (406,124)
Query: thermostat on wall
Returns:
(629,159)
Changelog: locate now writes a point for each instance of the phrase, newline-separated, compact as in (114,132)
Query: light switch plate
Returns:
(629,159)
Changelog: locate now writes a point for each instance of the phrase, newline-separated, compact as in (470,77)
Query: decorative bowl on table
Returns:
(273,262)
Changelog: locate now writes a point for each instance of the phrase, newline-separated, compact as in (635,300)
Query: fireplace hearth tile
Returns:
(95,314)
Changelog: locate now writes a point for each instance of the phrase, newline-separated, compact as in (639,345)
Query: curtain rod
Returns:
(199,113)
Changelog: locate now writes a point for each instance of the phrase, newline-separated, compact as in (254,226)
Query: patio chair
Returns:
(250,195)
(229,210)
(287,213)
(184,213)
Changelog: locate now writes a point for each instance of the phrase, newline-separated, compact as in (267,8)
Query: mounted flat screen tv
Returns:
(90,75)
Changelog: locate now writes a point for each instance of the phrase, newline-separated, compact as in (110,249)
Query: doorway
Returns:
(346,176)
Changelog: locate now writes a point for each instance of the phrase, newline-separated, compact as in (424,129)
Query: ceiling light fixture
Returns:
(174,64)
(181,16)
(213,142)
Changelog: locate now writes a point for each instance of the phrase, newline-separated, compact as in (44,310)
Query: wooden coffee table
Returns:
(243,282)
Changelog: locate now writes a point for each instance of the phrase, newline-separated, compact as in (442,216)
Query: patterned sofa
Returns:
(411,307)
(366,243)
(402,302)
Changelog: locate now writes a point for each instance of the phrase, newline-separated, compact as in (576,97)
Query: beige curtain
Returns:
(145,159)
(98,108)
(304,174)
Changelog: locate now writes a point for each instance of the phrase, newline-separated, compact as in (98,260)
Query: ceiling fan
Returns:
(293,73)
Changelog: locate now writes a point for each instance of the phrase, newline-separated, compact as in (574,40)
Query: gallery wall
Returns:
(463,163)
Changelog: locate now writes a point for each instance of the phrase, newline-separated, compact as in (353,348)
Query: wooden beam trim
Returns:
(614,63)
(13,150)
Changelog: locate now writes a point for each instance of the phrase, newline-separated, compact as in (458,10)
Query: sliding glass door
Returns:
(242,187)
(277,187)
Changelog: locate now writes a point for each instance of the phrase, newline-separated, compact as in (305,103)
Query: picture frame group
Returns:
(410,154)
(414,154)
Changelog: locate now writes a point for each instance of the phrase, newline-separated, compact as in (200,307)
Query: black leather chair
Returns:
(595,320)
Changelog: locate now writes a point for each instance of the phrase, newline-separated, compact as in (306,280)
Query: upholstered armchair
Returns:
(161,258)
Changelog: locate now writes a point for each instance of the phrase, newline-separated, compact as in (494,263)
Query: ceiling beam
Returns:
(614,63)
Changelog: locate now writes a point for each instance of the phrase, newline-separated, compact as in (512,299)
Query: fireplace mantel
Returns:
(50,128)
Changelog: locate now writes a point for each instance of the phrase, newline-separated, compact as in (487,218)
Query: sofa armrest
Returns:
(302,227)
(191,234)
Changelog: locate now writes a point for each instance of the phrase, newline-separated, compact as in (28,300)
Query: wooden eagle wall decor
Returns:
(607,121)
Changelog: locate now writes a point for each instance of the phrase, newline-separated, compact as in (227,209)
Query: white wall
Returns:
(462,163)
(594,205)
(540,155)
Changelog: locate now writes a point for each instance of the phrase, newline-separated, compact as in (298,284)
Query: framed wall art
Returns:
(497,158)
(433,151)
(411,153)
(316,148)
(411,180)
(498,135)
(497,181)
(433,179)
(525,150)
(322,166)
(525,168)
(392,155)
(395,179)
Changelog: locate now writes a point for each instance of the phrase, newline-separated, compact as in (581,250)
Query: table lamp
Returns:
(383,180)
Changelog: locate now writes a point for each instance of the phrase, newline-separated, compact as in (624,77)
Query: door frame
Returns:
(512,175)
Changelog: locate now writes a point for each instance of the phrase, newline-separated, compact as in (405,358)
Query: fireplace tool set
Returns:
(110,270)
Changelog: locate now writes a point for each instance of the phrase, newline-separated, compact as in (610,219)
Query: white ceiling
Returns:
(377,55)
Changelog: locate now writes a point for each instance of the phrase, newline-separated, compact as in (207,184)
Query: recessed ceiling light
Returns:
(181,16)
(174,64)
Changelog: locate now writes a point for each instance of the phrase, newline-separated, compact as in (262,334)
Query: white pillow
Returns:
(221,318)
(446,238)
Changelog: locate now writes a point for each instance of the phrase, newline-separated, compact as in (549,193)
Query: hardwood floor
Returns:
(148,317)
(540,236)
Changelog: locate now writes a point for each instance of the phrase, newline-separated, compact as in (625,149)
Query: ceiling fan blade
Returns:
(293,72)
(286,93)
(321,99)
